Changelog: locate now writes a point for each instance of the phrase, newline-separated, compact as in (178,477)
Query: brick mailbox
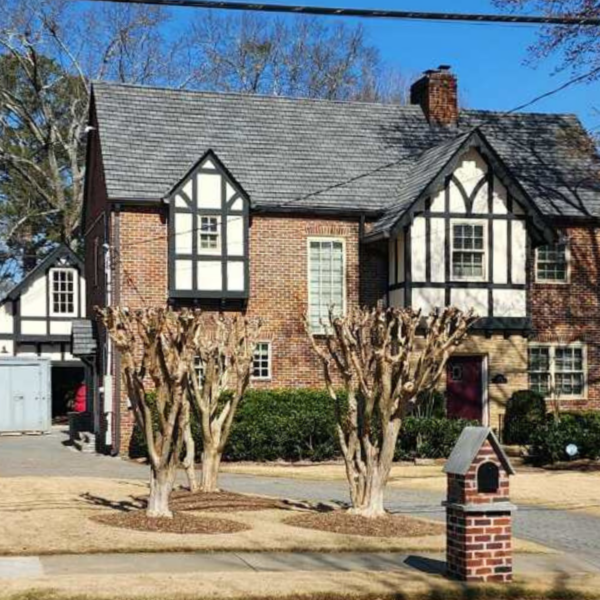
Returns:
(478,509)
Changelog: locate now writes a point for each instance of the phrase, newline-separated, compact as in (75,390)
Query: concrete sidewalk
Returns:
(268,562)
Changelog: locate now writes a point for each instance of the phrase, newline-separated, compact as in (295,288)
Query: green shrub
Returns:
(549,441)
(525,413)
(429,437)
(295,425)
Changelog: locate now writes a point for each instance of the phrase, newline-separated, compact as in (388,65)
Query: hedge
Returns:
(299,424)
(550,440)
(525,413)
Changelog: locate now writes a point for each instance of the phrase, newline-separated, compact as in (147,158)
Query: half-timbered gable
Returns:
(208,230)
(37,315)
(462,239)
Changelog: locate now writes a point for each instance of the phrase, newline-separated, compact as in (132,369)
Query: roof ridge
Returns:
(294,99)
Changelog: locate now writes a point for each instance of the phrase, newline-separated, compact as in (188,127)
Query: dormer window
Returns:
(209,230)
(209,234)
(62,301)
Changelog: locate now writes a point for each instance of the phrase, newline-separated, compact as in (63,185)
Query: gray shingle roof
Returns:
(323,154)
(83,338)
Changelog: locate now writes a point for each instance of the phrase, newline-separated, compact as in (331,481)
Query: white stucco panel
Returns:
(183,229)
(519,250)
(209,190)
(33,327)
(438,252)
(510,303)
(418,249)
(427,299)
(7,347)
(480,204)
(466,299)
(6,318)
(235,236)
(210,276)
(397,298)
(500,251)
(60,327)
(235,276)
(438,202)
(457,202)
(500,198)
(183,275)
(33,298)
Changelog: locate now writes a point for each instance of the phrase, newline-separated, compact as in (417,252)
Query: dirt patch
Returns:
(222,502)
(348,524)
(180,523)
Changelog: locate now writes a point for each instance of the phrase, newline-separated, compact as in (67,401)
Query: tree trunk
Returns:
(161,485)
(190,456)
(370,502)
(211,460)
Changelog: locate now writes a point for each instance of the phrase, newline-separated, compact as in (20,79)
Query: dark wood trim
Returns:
(471,285)
(447,243)
(427,239)
(407,266)
(490,225)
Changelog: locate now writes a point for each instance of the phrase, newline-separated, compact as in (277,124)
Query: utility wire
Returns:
(367,13)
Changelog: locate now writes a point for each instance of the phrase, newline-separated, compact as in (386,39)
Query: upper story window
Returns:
(261,365)
(558,371)
(209,234)
(551,263)
(62,290)
(468,251)
(326,283)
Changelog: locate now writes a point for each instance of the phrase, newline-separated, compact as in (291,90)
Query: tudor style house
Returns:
(36,319)
(279,207)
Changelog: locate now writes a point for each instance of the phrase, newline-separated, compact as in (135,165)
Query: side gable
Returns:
(208,234)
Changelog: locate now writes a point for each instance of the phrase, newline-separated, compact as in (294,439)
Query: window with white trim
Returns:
(468,251)
(209,234)
(199,370)
(261,361)
(551,263)
(326,280)
(62,300)
(556,370)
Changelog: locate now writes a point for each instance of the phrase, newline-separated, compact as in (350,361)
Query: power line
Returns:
(366,13)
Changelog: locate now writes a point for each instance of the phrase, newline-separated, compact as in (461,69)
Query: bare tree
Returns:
(157,346)
(383,358)
(224,349)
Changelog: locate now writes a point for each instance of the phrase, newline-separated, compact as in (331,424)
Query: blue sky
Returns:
(489,59)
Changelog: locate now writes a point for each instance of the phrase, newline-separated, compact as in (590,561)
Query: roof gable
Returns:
(468,446)
(430,171)
(61,256)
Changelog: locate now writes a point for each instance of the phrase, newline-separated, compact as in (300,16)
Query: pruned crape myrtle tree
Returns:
(157,346)
(383,359)
(224,349)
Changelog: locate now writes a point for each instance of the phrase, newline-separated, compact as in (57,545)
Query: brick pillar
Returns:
(479,519)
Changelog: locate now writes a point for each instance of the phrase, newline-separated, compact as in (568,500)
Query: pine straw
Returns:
(180,523)
(222,502)
(348,524)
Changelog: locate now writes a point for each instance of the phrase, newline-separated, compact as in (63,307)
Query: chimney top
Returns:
(437,94)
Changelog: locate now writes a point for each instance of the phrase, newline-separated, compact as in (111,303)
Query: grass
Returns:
(44,516)
(396,585)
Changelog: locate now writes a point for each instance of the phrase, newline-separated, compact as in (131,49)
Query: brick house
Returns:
(278,206)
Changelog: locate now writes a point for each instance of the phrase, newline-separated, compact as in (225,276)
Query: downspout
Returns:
(107,387)
(117,299)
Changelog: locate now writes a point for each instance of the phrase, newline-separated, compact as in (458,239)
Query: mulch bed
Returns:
(346,523)
(180,523)
(222,502)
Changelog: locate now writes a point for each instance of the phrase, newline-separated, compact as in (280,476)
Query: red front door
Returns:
(464,388)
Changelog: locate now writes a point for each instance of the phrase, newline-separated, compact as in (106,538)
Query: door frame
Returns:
(485,398)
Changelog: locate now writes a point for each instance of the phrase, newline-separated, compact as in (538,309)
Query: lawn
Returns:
(57,515)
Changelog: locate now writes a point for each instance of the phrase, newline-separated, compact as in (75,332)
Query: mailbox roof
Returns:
(469,444)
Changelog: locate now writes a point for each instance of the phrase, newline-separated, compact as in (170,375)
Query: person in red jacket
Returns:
(80,403)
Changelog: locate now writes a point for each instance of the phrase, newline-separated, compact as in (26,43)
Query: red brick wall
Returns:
(565,313)
(437,93)
(278,282)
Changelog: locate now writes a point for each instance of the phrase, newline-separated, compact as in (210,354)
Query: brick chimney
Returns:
(437,94)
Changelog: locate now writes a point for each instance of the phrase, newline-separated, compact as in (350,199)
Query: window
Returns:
(209,233)
(199,370)
(326,280)
(468,251)
(551,263)
(63,292)
(261,365)
(557,370)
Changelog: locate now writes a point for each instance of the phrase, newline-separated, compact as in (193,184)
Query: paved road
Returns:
(575,533)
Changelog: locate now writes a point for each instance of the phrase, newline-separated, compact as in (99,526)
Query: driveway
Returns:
(48,456)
